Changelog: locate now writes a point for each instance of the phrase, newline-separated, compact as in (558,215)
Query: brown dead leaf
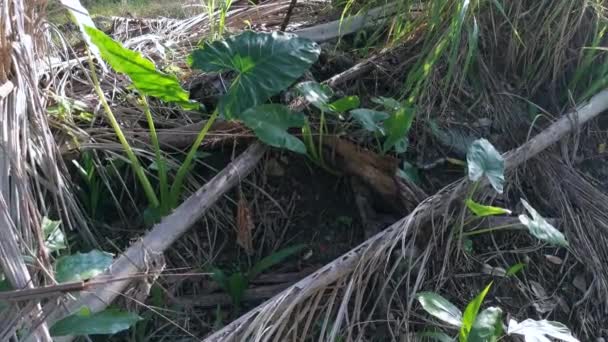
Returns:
(244,226)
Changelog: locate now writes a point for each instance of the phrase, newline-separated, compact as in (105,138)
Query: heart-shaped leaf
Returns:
(140,70)
(370,120)
(54,239)
(540,228)
(388,103)
(481,210)
(81,266)
(397,126)
(536,331)
(470,314)
(487,326)
(106,322)
(344,104)
(270,123)
(316,94)
(440,307)
(409,172)
(265,64)
(484,160)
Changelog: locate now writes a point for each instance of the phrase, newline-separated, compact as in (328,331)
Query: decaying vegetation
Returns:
(408,170)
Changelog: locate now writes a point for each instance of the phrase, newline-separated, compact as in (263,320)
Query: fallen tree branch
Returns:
(135,259)
(347,263)
(224,299)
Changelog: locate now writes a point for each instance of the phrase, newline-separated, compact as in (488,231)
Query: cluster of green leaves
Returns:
(236,283)
(78,267)
(487,325)
(264,63)
(484,162)
(392,123)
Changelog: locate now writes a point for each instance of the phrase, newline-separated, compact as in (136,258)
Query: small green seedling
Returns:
(236,283)
(487,325)
(320,96)
(485,163)
(391,124)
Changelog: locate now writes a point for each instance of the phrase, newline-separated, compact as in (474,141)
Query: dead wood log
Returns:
(135,259)
(346,264)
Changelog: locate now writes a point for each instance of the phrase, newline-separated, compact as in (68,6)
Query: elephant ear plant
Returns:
(264,63)
(485,163)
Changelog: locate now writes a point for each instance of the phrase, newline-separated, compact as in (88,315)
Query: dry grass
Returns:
(508,64)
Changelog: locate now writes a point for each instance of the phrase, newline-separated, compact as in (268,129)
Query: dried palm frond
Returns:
(33,179)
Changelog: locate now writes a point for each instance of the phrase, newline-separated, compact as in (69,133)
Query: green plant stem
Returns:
(137,168)
(160,162)
(184,168)
(321,125)
(492,229)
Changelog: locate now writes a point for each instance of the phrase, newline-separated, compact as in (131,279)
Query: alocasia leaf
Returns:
(540,228)
(536,331)
(484,160)
(487,326)
(481,210)
(370,119)
(344,104)
(54,239)
(81,266)
(270,123)
(440,307)
(140,70)
(470,314)
(107,322)
(265,64)
(315,93)
(397,126)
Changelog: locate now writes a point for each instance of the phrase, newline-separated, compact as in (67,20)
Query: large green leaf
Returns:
(109,321)
(440,307)
(470,314)
(273,259)
(265,63)
(540,228)
(345,104)
(487,326)
(536,331)
(142,71)
(481,210)
(484,160)
(370,119)
(54,239)
(397,126)
(81,266)
(270,123)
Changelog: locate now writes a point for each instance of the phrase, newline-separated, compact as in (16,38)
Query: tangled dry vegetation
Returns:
(336,234)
